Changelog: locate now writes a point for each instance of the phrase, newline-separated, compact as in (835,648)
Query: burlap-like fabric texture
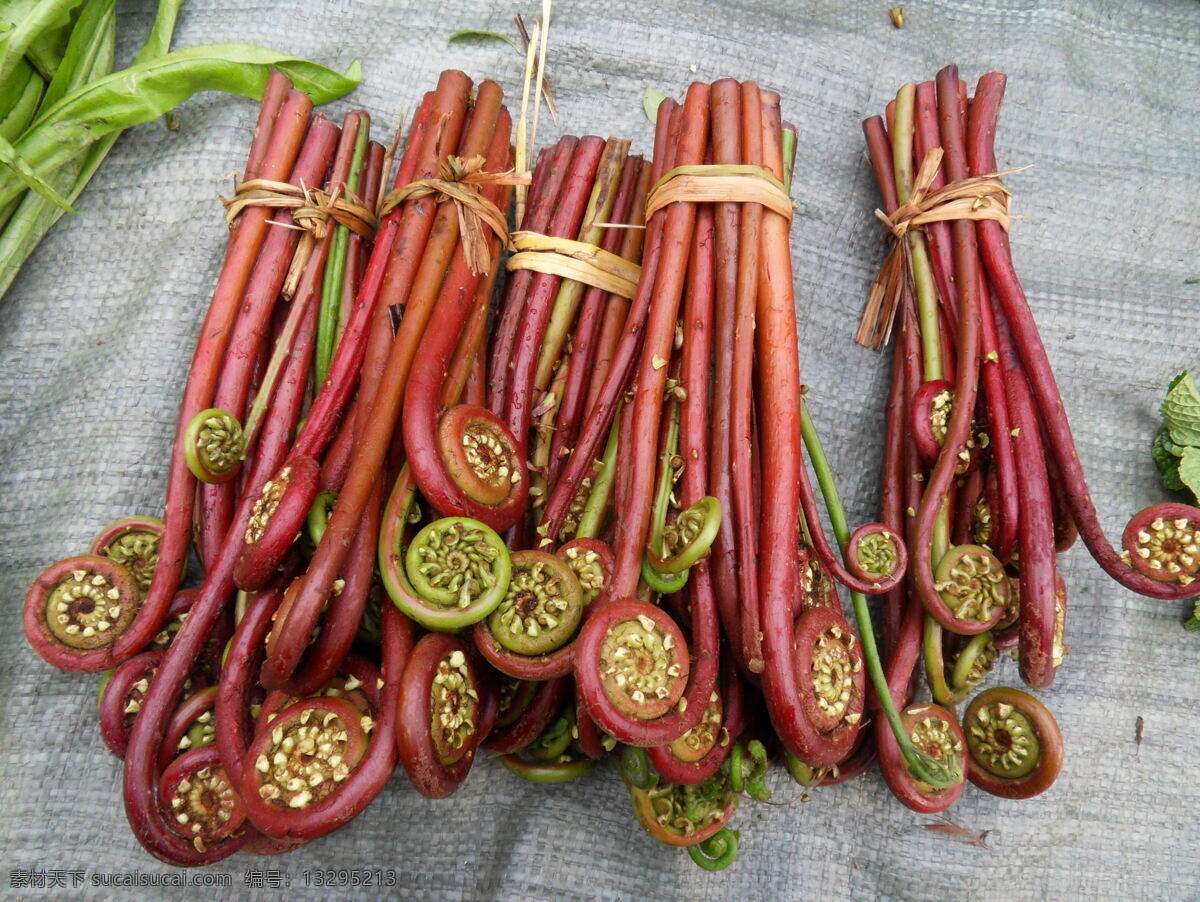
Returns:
(97,332)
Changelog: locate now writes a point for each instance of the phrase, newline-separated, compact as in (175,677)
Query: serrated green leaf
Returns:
(1178,378)
(651,101)
(1189,470)
(1181,411)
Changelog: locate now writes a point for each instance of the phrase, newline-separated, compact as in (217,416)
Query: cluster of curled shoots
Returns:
(413,589)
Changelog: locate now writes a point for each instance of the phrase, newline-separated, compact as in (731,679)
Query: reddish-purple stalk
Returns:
(599,420)
(539,301)
(665,292)
(927,136)
(186,714)
(997,258)
(616,308)
(260,559)
(258,303)
(274,150)
(1006,509)
(966,383)
(422,398)
(744,512)
(380,332)
(340,625)
(779,455)
(1035,636)
(587,328)
(546,701)
(238,681)
(146,818)
(330,556)
(113,716)
(726,149)
(548,177)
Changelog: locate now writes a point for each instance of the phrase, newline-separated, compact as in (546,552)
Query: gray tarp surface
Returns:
(96,335)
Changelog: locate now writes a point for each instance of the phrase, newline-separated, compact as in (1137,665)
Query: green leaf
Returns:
(45,52)
(23,108)
(651,101)
(89,53)
(1189,470)
(1162,453)
(146,90)
(158,43)
(26,176)
(1181,411)
(34,216)
(1167,460)
(30,19)
(1169,446)
(471,33)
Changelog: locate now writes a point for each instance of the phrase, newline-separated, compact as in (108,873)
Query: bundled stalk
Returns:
(979,461)
(173,692)
(590,506)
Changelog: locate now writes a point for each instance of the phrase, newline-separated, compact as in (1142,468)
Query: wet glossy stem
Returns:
(862,613)
(592,518)
(335,269)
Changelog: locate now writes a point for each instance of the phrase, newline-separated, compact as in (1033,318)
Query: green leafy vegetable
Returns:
(1176,448)
(28,21)
(1181,411)
(23,175)
(1189,470)
(22,106)
(62,107)
(89,52)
